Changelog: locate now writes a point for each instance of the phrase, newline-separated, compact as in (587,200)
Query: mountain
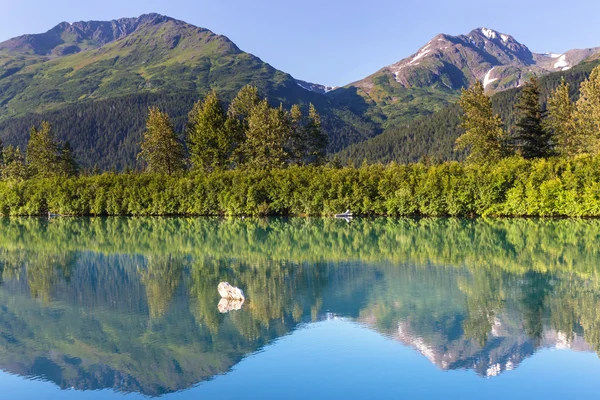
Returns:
(432,137)
(97,79)
(94,81)
(432,78)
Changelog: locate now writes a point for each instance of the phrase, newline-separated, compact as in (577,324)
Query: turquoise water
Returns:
(382,308)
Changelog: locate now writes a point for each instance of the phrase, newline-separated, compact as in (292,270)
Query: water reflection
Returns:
(132,304)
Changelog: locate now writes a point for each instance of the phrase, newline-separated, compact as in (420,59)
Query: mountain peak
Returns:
(67,38)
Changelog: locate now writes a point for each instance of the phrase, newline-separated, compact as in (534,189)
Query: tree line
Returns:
(564,129)
(432,138)
(45,157)
(250,133)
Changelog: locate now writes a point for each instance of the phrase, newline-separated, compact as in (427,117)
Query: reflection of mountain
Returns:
(119,311)
(481,321)
(136,324)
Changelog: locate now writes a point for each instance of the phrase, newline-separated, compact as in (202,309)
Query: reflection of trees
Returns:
(161,277)
(45,271)
(449,282)
(515,246)
(534,292)
(485,301)
(275,291)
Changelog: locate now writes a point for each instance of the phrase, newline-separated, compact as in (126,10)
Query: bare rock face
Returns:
(228,305)
(231,292)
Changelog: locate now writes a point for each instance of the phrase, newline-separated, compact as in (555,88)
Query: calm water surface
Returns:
(385,308)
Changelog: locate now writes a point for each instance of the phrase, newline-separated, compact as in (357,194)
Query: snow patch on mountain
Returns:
(562,62)
(487,78)
(422,53)
(505,38)
(314,87)
(489,33)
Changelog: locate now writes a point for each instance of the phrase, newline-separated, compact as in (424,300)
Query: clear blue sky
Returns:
(333,42)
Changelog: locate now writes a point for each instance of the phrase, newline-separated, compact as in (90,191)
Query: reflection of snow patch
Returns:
(562,341)
(562,62)
(510,366)
(487,80)
(494,370)
(496,325)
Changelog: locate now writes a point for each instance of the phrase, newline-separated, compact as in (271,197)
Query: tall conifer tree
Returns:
(317,139)
(160,148)
(559,122)
(238,114)
(209,142)
(530,139)
(68,165)
(43,156)
(14,166)
(484,134)
(587,114)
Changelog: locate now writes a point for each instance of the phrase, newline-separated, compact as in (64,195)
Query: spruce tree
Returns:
(587,114)
(209,141)
(43,157)
(68,165)
(269,129)
(13,164)
(298,146)
(560,123)
(160,148)
(529,138)
(237,122)
(317,139)
(484,135)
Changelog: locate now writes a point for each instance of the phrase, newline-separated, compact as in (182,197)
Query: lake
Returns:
(118,308)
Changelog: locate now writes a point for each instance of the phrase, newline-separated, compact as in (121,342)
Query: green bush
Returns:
(511,187)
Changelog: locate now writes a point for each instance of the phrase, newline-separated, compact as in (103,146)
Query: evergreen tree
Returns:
(317,139)
(587,114)
(308,142)
(68,165)
(13,166)
(43,157)
(160,148)
(209,143)
(530,139)
(269,130)
(298,146)
(484,134)
(237,122)
(559,122)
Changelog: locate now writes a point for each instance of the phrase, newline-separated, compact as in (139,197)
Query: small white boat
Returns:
(345,215)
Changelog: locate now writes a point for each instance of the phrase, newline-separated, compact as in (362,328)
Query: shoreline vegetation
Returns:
(252,159)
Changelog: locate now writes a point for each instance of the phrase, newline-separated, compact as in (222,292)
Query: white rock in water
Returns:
(230,292)
(227,305)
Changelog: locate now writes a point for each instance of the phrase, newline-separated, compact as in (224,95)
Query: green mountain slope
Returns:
(432,78)
(433,137)
(78,75)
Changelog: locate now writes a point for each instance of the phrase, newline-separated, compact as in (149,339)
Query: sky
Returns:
(333,42)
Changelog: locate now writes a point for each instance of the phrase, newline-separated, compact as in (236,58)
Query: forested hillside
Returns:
(433,137)
(95,85)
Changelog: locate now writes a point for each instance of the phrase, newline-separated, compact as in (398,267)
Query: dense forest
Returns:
(432,138)
(250,158)
(106,133)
